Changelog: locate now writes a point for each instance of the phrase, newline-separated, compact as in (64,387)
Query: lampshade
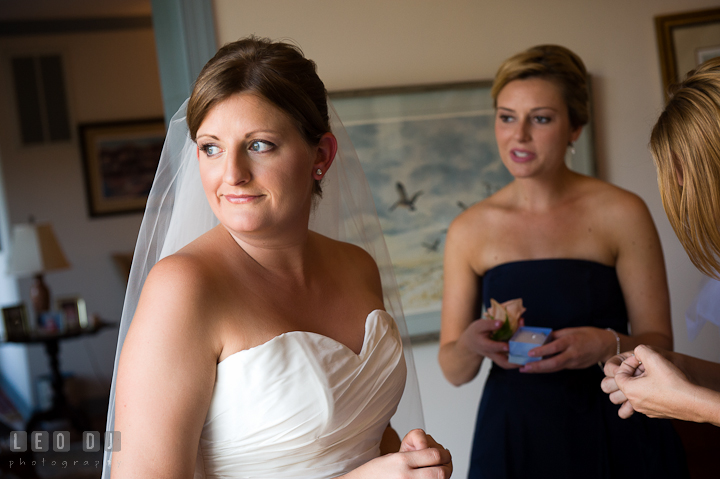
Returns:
(35,250)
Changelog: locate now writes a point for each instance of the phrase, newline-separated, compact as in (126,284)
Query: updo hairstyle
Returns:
(553,63)
(275,71)
(686,138)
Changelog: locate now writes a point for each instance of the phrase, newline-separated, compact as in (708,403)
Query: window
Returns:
(41,100)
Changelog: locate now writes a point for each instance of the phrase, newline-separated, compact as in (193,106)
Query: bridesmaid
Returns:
(586,259)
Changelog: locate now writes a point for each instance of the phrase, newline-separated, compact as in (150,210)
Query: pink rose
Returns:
(510,313)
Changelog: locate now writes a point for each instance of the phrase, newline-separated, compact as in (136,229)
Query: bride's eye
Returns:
(210,150)
(261,146)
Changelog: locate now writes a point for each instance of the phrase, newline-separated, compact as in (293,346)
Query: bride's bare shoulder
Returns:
(347,257)
(183,284)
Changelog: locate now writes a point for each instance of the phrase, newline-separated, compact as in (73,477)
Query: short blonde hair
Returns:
(556,64)
(686,139)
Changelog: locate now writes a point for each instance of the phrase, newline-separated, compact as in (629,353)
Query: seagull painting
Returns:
(403,199)
(432,247)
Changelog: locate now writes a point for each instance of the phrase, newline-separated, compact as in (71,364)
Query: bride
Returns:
(259,347)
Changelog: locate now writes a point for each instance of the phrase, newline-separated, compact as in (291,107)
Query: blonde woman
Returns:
(685,144)
(585,258)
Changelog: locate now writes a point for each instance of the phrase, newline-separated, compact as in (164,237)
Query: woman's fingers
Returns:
(626,370)
(429,457)
(614,363)
(477,338)
(609,386)
(618,397)
(424,456)
(415,440)
(422,450)
(626,410)
(485,325)
(553,347)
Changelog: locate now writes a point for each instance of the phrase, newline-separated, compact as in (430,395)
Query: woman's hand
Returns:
(609,386)
(660,383)
(419,457)
(650,383)
(571,348)
(476,338)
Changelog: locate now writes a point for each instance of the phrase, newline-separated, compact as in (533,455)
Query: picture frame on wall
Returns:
(74,313)
(119,162)
(429,152)
(686,40)
(15,322)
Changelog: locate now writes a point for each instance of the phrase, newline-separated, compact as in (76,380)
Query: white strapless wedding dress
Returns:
(302,405)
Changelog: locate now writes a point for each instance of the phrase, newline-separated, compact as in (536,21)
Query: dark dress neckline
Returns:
(541,260)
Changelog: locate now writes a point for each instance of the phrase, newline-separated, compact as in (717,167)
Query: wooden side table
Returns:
(60,408)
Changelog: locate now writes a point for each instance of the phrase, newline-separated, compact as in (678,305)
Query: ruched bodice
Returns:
(303,405)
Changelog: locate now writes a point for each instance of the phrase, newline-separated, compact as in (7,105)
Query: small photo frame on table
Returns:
(685,41)
(15,322)
(74,313)
(49,323)
(120,160)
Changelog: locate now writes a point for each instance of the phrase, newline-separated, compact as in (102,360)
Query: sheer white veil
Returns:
(177,212)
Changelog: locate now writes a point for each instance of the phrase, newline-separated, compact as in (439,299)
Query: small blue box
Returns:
(525,339)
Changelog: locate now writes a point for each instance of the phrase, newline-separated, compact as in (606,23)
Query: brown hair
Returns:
(553,63)
(277,72)
(686,140)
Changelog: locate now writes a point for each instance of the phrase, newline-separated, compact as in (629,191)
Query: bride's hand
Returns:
(420,457)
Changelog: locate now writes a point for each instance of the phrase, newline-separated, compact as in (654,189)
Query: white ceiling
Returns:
(56,9)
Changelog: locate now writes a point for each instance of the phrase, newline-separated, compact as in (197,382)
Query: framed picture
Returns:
(429,152)
(119,162)
(15,322)
(50,323)
(685,40)
(74,313)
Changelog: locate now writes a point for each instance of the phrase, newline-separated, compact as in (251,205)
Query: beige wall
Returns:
(374,43)
(109,76)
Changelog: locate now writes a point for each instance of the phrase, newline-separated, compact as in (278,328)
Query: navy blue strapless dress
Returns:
(561,425)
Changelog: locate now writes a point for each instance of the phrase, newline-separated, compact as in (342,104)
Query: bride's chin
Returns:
(243,227)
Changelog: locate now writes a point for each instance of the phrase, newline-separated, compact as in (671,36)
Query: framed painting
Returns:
(15,322)
(429,152)
(74,313)
(119,161)
(686,40)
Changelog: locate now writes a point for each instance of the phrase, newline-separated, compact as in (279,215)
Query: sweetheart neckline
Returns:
(318,335)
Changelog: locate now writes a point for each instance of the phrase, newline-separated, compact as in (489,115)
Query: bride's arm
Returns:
(165,376)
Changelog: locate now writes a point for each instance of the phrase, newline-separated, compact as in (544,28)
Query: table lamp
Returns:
(35,250)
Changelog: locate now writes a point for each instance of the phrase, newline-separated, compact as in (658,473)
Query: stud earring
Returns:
(319,172)
(572,149)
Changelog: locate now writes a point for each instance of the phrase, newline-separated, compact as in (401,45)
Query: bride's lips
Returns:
(521,156)
(241,199)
